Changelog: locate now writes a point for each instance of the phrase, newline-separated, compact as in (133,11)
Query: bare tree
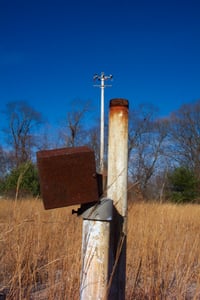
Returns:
(47,138)
(185,136)
(3,162)
(93,141)
(147,137)
(139,121)
(22,120)
(72,133)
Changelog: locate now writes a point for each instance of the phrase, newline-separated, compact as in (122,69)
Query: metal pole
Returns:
(117,191)
(102,78)
(102,126)
(95,238)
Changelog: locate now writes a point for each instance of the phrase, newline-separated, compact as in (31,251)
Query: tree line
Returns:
(163,153)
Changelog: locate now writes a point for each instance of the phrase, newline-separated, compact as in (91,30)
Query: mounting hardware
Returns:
(100,211)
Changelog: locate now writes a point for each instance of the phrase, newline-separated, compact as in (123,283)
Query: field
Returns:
(40,251)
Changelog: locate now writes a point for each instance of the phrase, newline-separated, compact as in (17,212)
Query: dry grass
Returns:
(163,252)
(41,250)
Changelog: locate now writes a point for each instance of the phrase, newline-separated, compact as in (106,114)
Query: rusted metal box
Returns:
(67,177)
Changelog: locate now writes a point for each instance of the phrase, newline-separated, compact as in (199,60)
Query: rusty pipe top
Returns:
(119,102)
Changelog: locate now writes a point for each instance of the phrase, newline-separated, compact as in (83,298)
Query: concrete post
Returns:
(117,191)
(95,244)
(104,242)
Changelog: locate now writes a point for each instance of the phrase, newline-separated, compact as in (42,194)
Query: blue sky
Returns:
(50,50)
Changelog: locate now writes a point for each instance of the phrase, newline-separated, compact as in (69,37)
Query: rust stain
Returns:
(119,108)
(118,153)
(67,176)
(119,102)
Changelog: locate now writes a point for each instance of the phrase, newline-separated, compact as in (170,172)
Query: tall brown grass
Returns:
(40,251)
(163,252)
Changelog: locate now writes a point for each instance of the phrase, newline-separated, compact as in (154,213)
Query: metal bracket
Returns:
(100,211)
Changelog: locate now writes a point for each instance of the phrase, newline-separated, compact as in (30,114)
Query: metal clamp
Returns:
(101,211)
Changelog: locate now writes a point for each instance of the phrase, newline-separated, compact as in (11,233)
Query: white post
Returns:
(95,249)
(102,78)
(117,191)
(95,240)
(102,126)
(104,242)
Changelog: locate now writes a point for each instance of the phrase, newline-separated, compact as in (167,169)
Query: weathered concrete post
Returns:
(94,274)
(104,239)
(117,191)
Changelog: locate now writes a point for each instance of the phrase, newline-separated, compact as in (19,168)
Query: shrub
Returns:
(183,185)
(23,179)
